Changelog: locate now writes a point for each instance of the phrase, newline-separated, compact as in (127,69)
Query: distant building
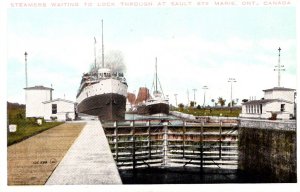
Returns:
(39,104)
(278,103)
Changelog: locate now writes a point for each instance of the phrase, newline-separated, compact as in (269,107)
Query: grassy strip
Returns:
(26,130)
(212,112)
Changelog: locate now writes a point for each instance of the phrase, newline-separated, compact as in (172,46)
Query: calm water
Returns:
(188,175)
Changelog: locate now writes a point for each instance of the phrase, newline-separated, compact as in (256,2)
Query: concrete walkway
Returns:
(88,161)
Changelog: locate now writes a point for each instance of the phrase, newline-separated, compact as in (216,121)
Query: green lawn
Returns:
(212,112)
(26,129)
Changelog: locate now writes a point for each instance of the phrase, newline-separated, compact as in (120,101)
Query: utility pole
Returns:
(175,98)
(195,95)
(204,89)
(188,97)
(231,80)
(26,81)
(279,67)
(95,54)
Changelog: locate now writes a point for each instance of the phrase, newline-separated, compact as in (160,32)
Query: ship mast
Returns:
(102,46)
(156,74)
(95,52)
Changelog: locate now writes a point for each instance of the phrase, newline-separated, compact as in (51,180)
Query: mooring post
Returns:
(133,145)
(116,141)
(201,147)
(220,140)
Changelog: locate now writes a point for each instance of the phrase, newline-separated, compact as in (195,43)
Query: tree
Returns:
(192,103)
(213,101)
(180,106)
(245,100)
(233,103)
(198,107)
(221,101)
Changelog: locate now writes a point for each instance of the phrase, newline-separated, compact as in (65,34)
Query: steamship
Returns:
(156,104)
(102,92)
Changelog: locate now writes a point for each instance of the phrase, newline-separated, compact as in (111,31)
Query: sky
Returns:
(195,47)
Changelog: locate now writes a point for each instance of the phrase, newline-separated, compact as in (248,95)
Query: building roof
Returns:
(59,99)
(263,101)
(38,87)
(279,89)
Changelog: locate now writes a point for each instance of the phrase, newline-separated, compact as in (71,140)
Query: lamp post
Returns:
(26,81)
(175,98)
(204,89)
(231,80)
(194,96)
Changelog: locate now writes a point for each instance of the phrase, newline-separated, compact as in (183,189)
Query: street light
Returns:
(26,81)
(176,98)
(231,80)
(194,96)
(204,88)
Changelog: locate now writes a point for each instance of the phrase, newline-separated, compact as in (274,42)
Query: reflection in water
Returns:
(188,175)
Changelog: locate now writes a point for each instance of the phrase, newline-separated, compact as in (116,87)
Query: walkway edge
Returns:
(88,161)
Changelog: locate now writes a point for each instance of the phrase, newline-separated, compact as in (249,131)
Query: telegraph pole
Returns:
(175,98)
(95,54)
(195,95)
(26,80)
(231,80)
(279,67)
(188,97)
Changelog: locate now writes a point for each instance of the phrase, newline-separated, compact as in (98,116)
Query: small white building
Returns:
(39,104)
(59,109)
(278,102)
(34,98)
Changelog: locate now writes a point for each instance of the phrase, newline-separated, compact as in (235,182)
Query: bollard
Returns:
(39,121)
(12,128)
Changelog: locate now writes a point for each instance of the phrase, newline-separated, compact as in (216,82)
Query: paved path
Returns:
(33,160)
(88,161)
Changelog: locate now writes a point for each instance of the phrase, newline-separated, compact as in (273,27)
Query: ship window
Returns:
(54,108)
(282,107)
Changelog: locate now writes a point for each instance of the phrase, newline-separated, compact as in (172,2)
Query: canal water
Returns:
(188,175)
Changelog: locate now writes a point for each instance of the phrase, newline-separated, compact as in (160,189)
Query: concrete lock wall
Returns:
(267,150)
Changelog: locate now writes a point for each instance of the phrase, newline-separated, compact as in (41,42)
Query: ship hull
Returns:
(142,110)
(108,107)
(153,109)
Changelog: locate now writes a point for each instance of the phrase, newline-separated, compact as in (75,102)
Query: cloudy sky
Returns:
(195,47)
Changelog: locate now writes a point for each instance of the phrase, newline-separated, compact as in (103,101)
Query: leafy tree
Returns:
(198,107)
(245,100)
(180,106)
(221,101)
(192,103)
(233,103)
(213,101)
